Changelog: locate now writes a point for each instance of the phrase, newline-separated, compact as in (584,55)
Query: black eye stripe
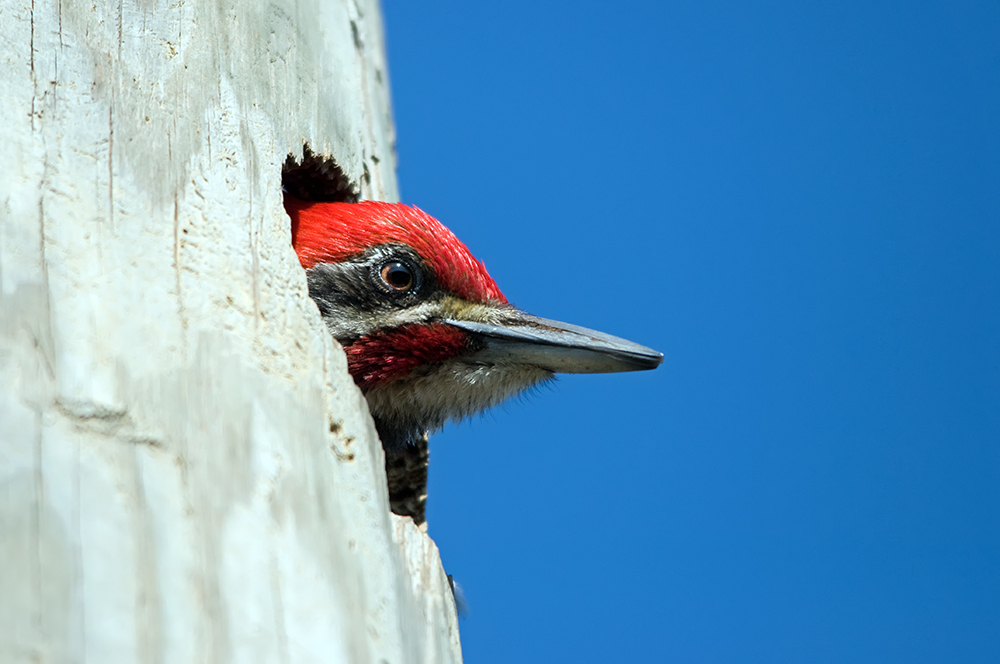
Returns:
(358,284)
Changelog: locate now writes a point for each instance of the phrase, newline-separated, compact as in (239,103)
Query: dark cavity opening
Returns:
(312,177)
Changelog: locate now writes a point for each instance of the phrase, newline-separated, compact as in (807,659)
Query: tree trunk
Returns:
(187,471)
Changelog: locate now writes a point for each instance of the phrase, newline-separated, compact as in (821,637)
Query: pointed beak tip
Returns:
(653,360)
(635,359)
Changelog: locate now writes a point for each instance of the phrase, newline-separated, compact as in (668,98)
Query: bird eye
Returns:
(397,276)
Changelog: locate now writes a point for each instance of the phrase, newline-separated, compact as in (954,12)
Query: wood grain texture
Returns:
(187,472)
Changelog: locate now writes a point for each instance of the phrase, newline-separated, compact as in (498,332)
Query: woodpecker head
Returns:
(429,336)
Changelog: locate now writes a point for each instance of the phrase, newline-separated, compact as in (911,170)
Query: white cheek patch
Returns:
(449,307)
(417,314)
(362,324)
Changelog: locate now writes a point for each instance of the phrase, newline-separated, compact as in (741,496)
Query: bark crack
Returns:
(31,63)
(178,284)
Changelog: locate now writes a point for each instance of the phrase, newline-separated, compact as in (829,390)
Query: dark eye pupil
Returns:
(397,275)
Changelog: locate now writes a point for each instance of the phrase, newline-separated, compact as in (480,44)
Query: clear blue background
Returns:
(799,204)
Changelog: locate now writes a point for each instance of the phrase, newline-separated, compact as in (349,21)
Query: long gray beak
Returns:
(557,347)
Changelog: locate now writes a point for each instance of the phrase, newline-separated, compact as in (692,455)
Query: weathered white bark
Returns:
(187,472)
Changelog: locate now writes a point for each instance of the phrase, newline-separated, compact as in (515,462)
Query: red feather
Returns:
(383,357)
(332,232)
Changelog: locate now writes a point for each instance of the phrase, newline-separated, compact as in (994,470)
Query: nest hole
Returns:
(313,177)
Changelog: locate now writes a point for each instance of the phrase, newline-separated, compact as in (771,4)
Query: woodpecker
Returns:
(429,336)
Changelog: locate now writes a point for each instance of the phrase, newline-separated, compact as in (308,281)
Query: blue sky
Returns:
(799,204)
